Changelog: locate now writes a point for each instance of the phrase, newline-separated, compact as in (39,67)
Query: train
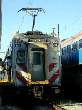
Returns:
(71,59)
(33,60)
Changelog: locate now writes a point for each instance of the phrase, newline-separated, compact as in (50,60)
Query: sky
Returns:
(66,13)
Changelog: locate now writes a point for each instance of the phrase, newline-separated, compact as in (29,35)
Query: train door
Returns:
(38,61)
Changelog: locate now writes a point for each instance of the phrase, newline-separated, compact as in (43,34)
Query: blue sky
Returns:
(66,13)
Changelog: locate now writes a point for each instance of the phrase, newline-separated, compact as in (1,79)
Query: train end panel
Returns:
(34,60)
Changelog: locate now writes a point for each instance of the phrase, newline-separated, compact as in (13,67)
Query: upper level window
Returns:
(69,48)
(75,45)
(20,56)
(64,50)
(80,43)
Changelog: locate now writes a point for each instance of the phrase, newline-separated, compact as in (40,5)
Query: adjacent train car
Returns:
(72,62)
(33,60)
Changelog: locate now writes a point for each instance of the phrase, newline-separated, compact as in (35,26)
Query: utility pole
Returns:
(60,54)
(33,12)
(53,31)
(58,30)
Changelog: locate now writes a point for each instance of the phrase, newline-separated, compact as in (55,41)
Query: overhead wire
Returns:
(22,21)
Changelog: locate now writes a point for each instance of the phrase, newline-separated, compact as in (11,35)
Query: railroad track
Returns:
(45,105)
(58,107)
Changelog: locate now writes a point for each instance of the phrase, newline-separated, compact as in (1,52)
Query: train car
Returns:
(33,60)
(72,62)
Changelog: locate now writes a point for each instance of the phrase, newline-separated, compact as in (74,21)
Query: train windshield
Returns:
(36,58)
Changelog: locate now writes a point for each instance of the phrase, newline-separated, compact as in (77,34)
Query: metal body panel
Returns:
(72,63)
(54,63)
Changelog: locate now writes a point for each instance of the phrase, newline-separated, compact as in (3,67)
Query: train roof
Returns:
(71,40)
(35,35)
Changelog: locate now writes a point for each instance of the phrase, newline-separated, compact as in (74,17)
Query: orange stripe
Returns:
(55,76)
(22,79)
(51,66)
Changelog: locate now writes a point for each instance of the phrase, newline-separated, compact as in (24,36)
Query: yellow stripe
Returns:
(40,82)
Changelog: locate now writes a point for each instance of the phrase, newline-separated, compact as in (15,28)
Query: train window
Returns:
(36,58)
(75,45)
(69,48)
(80,43)
(64,50)
(20,56)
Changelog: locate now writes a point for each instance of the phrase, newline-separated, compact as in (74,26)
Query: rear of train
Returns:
(33,60)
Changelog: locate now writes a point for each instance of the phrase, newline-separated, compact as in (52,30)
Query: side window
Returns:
(75,45)
(80,43)
(62,51)
(69,48)
(65,50)
(20,57)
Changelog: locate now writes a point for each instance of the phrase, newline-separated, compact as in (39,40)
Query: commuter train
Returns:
(33,60)
(71,56)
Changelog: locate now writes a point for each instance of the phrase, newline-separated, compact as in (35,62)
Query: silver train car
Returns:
(33,60)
